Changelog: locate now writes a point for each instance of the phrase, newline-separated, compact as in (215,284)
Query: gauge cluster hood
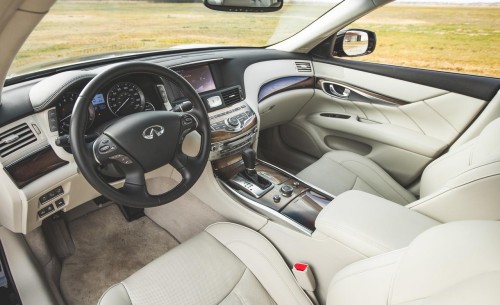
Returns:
(44,94)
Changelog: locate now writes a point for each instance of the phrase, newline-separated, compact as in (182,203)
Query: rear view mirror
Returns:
(354,42)
(244,5)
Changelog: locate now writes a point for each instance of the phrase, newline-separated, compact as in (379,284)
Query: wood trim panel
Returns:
(284,84)
(222,135)
(34,166)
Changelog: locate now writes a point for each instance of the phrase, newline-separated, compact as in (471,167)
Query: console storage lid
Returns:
(369,224)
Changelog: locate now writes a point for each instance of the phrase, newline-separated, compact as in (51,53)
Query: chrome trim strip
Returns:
(24,157)
(272,214)
(376,97)
(250,187)
(93,153)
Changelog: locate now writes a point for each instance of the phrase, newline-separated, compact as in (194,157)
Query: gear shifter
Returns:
(249,180)
(249,157)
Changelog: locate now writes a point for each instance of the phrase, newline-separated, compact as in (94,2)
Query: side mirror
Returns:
(258,6)
(351,43)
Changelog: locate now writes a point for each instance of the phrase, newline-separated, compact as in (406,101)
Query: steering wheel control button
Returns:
(286,190)
(121,158)
(188,120)
(104,149)
(277,198)
(106,146)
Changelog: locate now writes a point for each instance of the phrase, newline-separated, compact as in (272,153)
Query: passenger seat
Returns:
(455,180)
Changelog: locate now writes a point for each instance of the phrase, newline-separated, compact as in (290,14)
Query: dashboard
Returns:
(41,178)
(130,94)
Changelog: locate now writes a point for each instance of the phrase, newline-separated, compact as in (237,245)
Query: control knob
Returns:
(286,190)
(233,122)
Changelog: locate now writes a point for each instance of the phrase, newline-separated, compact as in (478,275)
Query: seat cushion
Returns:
(452,264)
(340,171)
(225,264)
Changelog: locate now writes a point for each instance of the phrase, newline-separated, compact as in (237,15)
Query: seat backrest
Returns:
(482,151)
(456,263)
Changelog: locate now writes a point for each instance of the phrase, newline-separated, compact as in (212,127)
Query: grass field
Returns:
(459,39)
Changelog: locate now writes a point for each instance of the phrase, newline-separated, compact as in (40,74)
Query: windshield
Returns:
(82,30)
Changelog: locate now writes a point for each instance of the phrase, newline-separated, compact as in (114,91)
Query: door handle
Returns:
(338,91)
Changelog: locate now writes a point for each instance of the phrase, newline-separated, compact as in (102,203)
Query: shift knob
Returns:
(249,157)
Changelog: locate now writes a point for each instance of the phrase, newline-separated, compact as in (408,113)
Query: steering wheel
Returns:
(140,142)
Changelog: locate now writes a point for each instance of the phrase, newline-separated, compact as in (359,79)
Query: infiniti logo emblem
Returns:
(152,131)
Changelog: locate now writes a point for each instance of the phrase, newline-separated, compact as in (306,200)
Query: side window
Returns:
(462,39)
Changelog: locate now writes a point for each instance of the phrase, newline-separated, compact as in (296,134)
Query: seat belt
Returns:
(305,278)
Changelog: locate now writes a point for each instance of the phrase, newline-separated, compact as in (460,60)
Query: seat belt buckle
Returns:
(304,276)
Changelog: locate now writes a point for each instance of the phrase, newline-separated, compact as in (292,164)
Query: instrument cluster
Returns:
(123,97)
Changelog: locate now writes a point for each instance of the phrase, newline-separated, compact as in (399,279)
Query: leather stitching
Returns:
(338,279)
(115,285)
(374,190)
(411,119)
(435,195)
(66,85)
(239,298)
(360,109)
(235,285)
(270,263)
(439,114)
(360,236)
(379,111)
(378,174)
(272,248)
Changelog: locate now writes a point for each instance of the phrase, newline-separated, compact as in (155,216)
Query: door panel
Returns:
(400,125)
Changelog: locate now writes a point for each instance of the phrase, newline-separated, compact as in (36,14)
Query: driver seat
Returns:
(456,263)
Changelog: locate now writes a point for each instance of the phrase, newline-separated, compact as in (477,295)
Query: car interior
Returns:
(242,175)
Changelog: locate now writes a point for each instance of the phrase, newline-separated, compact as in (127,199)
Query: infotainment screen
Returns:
(199,77)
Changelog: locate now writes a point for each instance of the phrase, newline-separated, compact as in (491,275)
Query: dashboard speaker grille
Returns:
(231,96)
(16,138)
(303,66)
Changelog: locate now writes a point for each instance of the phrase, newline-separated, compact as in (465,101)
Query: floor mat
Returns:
(184,217)
(108,250)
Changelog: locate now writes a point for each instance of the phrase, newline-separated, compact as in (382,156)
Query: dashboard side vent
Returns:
(231,96)
(303,66)
(16,138)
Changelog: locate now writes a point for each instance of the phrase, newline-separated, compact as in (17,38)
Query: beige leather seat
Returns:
(461,170)
(456,263)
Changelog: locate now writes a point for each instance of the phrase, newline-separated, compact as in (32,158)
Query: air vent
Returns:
(303,66)
(231,96)
(15,138)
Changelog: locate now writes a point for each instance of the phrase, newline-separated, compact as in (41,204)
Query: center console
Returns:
(260,186)
(263,187)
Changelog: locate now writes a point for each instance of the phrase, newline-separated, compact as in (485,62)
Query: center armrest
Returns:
(370,224)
